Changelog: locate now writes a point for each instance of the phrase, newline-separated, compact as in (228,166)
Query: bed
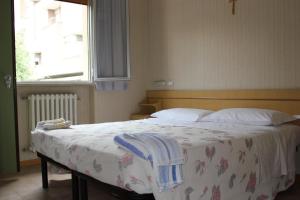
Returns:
(223,161)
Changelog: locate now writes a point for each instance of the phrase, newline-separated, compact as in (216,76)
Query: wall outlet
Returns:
(170,83)
(159,83)
(162,83)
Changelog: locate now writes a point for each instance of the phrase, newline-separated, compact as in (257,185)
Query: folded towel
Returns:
(163,152)
(53,124)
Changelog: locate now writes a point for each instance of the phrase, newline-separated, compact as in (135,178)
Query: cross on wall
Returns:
(233,5)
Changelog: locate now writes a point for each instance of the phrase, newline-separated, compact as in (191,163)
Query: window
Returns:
(110,40)
(51,41)
(37,58)
(52,15)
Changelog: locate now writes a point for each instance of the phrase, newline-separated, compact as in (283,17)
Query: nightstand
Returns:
(296,122)
(139,116)
(146,109)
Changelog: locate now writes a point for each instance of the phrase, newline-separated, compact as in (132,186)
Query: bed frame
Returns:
(283,100)
(80,185)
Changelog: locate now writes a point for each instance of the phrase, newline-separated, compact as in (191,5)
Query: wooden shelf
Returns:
(138,116)
(146,109)
(149,107)
(296,122)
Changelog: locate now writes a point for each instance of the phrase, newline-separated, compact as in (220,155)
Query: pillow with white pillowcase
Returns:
(181,114)
(249,116)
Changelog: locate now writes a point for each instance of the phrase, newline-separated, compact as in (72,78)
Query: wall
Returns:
(85,105)
(199,44)
(117,106)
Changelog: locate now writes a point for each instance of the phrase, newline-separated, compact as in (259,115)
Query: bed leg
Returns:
(44,170)
(75,187)
(83,192)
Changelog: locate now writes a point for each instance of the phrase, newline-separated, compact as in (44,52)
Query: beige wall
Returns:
(116,106)
(85,105)
(200,45)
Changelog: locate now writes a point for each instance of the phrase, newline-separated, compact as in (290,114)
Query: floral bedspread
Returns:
(219,165)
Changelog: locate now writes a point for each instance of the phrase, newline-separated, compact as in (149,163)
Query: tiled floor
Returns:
(27,186)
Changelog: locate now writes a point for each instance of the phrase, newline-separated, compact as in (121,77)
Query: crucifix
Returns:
(233,5)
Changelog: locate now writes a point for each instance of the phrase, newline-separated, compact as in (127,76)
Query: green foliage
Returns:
(22,58)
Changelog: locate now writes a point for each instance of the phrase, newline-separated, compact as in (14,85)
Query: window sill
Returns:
(54,83)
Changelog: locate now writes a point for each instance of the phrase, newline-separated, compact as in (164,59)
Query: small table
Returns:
(138,116)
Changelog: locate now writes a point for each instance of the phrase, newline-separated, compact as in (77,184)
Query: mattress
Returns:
(222,161)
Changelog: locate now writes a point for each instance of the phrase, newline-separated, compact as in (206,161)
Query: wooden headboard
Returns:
(285,100)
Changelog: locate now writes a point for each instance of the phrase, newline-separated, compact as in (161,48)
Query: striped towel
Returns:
(163,152)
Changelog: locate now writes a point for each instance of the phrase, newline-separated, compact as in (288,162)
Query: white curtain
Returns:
(110,45)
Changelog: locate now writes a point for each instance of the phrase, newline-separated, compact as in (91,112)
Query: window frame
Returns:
(92,49)
(83,2)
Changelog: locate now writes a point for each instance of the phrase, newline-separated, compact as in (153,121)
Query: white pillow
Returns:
(249,116)
(181,114)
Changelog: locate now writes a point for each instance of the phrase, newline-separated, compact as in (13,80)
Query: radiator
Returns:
(52,106)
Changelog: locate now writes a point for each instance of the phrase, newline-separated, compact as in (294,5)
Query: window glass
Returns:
(51,40)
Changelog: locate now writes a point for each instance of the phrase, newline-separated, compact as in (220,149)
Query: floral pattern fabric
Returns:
(219,165)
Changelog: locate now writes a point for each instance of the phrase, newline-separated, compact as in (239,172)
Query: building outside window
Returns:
(51,41)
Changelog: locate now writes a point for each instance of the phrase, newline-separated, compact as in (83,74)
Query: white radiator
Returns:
(52,106)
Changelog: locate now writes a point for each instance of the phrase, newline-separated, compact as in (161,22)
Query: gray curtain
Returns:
(110,38)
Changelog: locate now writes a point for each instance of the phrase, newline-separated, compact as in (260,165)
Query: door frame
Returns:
(14,84)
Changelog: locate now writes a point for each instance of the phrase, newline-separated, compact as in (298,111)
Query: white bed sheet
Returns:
(222,160)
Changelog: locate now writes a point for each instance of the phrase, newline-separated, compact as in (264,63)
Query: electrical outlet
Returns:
(170,83)
(159,83)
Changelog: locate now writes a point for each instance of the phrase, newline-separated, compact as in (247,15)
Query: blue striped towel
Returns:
(163,152)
